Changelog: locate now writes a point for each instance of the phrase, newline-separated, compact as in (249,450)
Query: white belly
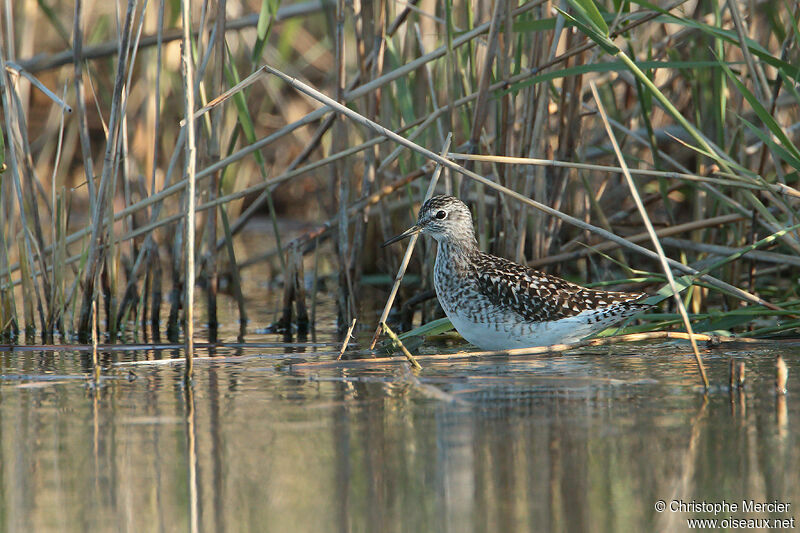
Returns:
(507,336)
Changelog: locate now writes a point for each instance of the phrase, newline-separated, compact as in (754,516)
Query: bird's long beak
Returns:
(413,230)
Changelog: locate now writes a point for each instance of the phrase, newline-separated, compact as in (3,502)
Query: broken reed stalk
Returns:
(731,373)
(300,291)
(397,342)
(346,340)
(95,363)
(781,375)
(294,293)
(409,249)
(188,91)
(653,237)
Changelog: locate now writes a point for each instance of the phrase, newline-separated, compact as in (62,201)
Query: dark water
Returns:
(266,441)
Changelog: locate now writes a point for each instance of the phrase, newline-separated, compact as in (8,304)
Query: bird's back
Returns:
(497,304)
(538,297)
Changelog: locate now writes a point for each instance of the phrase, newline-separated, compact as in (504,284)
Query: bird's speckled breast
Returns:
(455,282)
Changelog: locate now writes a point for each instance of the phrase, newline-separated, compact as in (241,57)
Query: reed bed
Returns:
(139,139)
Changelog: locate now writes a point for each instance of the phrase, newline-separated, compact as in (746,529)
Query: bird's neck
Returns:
(456,254)
(462,242)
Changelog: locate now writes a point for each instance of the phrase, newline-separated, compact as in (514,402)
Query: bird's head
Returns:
(445,218)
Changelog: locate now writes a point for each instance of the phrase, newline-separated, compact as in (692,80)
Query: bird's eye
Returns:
(441,214)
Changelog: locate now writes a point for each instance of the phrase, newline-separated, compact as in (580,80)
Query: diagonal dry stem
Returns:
(653,237)
(409,250)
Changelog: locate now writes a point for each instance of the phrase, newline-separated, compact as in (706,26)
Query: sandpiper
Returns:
(497,304)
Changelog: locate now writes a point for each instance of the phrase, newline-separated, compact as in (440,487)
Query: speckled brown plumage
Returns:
(538,296)
(498,304)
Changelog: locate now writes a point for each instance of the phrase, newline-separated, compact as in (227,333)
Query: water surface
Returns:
(587,441)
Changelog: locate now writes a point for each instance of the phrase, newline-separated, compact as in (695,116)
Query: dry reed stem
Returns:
(80,97)
(481,109)
(346,340)
(535,183)
(56,232)
(189,277)
(14,67)
(653,237)
(396,340)
(740,374)
(409,250)
(226,95)
(213,152)
(95,362)
(429,77)
(781,375)
(731,375)
(96,255)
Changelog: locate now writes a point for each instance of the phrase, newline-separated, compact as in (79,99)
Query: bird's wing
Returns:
(539,297)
